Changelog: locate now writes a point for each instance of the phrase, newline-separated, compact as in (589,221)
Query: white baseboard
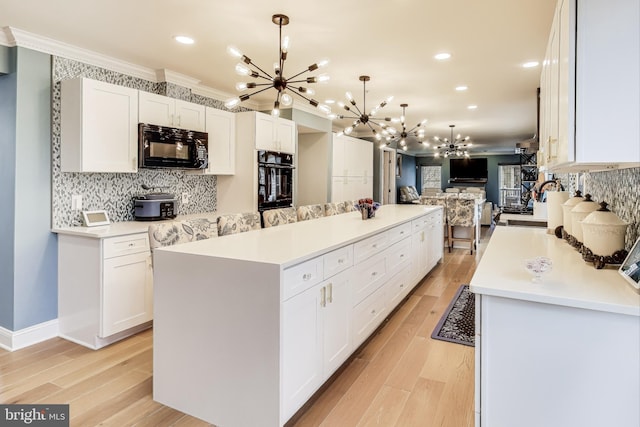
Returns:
(15,340)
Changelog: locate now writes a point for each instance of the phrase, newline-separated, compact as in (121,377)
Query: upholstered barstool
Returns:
(350,205)
(238,223)
(275,217)
(310,212)
(334,209)
(461,213)
(168,233)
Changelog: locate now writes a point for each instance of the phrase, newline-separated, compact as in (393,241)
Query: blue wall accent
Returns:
(491,186)
(408,172)
(8,95)
(29,249)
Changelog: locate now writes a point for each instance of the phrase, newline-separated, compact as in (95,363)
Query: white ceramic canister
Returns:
(580,212)
(555,199)
(566,210)
(603,231)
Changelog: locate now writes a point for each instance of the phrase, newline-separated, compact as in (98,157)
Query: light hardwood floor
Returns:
(400,377)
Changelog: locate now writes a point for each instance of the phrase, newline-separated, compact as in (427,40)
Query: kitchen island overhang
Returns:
(221,351)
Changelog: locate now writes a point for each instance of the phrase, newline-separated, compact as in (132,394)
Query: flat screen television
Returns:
(468,168)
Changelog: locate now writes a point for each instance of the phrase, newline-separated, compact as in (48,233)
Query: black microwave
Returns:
(166,147)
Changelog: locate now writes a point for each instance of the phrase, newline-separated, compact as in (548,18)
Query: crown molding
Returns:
(53,47)
(5,37)
(164,75)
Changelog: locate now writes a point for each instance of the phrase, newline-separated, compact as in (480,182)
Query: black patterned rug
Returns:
(458,321)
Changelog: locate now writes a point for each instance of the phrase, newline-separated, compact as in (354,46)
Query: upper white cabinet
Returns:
(352,169)
(98,127)
(274,133)
(164,111)
(221,127)
(589,87)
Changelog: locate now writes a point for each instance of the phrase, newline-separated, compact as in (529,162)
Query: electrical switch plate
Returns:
(76,202)
(185,198)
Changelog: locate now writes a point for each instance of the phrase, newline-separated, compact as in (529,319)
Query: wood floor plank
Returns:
(406,372)
(385,408)
(422,405)
(34,394)
(189,421)
(163,416)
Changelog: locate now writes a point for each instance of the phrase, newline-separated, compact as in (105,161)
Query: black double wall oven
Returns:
(275,180)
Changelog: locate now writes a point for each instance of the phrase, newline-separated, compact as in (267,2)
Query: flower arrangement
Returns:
(367,208)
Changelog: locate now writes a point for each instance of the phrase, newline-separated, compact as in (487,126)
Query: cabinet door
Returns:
(99,127)
(336,315)
(156,109)
(338,156)
(286,136)
(420,254)
(301,348)
(189,115)
(337,189)
(127,295)
(222,141)
(265,132)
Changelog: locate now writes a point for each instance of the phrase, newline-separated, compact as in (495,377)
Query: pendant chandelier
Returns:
(362,118)
(452,147)
(416,132)
(284,86)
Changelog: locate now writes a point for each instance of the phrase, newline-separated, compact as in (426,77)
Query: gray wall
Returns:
(7,190)
(29,279)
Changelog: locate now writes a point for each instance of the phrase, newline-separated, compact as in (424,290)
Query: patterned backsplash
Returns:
(114,192)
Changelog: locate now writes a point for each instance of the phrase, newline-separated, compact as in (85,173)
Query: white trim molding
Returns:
(15,340)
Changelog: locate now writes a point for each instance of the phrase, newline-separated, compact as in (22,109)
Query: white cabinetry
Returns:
(274,133)
(316,325)
(165,111)
(104,288)
(221,127)
(99,123)
(589,87)
(352,169)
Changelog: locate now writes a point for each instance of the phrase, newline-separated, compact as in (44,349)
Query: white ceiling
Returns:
(393,41)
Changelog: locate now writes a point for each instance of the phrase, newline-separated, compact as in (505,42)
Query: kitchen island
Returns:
(248,326)
(564,351)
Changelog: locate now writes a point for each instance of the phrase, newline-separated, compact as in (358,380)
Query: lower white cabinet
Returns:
(105,289)
(316,338)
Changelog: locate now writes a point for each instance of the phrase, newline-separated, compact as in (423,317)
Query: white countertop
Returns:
(290,244)
(122,228)
(572,282)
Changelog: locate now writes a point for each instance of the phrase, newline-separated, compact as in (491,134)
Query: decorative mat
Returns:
(457,324)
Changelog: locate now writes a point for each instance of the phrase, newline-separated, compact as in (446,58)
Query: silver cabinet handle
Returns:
(306,276)
(401,255)
(374,273)
(323,297)
(375,245)
(340,261)
(330,298)
(373,311)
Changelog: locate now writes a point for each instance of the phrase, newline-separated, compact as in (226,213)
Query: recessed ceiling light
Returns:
(442,56)
(184,39)
(472,107)
(329,101)
(530,64)
(461,88)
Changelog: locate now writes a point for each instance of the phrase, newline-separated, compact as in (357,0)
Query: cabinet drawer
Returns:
(400,232)
(301,277)
(368,315)
(125,245)
(337,261)
(367,277)
(397,256)
(397,288)
(369,246)
(420,223)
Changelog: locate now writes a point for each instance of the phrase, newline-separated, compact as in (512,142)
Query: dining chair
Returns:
(238,223)
(310,212)
(461,213)
(275,217)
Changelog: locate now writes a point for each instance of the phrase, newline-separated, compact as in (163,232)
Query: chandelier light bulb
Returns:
(332,116)
(323,78)
(286,44)
(286,99)
(234,51)
(349,96)
(348,130)
(323,63)
(240,86)
(404,147)
(276,109)
(324,108)
(242,70)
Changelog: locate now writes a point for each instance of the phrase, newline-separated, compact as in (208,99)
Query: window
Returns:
(431,177)
(509,182)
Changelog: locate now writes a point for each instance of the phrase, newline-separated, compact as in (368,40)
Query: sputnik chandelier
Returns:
(417,131)
(284,86)
(452,147)
(362,118)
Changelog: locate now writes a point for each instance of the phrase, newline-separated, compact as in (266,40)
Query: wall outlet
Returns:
(76,202)
(185,198)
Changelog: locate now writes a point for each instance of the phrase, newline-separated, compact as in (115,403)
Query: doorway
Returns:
(388,176)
